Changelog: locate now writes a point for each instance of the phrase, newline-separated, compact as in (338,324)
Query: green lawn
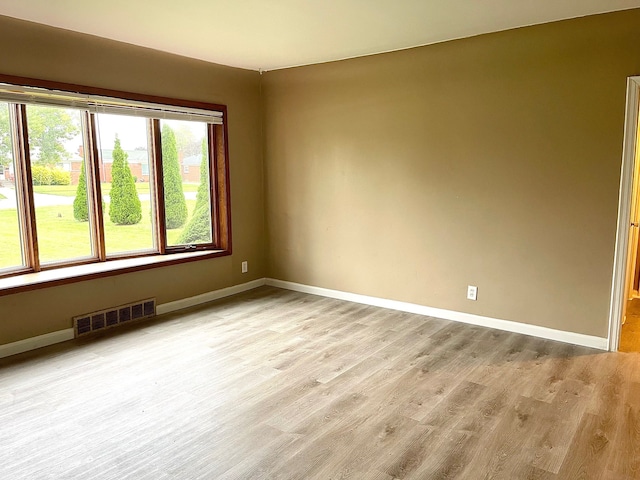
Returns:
(62,190)
(62,237)
(70,190)
(2,197)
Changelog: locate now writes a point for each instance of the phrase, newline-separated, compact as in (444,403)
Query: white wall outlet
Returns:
(472,292)
(245,267)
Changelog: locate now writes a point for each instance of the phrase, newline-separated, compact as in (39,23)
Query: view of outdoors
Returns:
(124,172)
(55,138)
(10,250)
(184,163)
(58,153)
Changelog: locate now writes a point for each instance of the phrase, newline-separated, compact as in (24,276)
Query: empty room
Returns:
(320,240)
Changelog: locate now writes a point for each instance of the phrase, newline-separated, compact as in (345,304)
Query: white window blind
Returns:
(101,104)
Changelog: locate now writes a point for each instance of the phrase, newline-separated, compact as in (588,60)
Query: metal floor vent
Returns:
(112,317)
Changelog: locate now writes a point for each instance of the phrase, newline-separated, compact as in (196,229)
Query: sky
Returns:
(132,131)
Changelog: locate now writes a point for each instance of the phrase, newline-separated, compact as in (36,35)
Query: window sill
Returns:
(62,276)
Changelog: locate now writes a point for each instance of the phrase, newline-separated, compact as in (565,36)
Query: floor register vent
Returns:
(112,317)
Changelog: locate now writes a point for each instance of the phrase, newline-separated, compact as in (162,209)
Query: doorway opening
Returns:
(624,315)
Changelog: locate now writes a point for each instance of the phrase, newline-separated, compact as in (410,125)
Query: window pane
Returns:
(11,254)
(185,164)
(125,181)
(57,150)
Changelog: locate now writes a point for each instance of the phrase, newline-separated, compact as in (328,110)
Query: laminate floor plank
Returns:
(557,425)
(528,472)
(272,384)
(625,460)
(587,455)
(503,452)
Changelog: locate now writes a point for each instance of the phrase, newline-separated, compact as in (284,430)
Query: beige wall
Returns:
(492,161)
(32,50)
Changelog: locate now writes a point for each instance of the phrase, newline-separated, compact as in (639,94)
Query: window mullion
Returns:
(223,195)
(213,184)
(93,184)
(24,186)
(158,203)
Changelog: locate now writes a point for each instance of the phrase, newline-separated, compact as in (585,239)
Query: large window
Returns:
(125,156)
(55,139)
(89,178)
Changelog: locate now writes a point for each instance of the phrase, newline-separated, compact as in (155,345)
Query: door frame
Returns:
(620,260)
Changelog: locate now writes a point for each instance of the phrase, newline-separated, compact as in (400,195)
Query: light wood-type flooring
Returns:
(630,332)
(272,384)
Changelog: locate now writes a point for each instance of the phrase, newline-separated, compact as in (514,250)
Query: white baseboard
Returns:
(68,334)
(208,296)
(36,342)
(507,325)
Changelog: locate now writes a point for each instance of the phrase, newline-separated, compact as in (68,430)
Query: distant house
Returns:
(73,165)
(190,168)
(6,173)
(138,163)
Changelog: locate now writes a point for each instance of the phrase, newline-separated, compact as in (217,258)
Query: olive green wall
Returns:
(32,50)
(491,161)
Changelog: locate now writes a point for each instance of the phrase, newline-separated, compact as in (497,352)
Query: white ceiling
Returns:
(271,34)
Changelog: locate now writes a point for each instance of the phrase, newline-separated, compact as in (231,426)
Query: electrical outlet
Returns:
(245,267)
(472,292)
